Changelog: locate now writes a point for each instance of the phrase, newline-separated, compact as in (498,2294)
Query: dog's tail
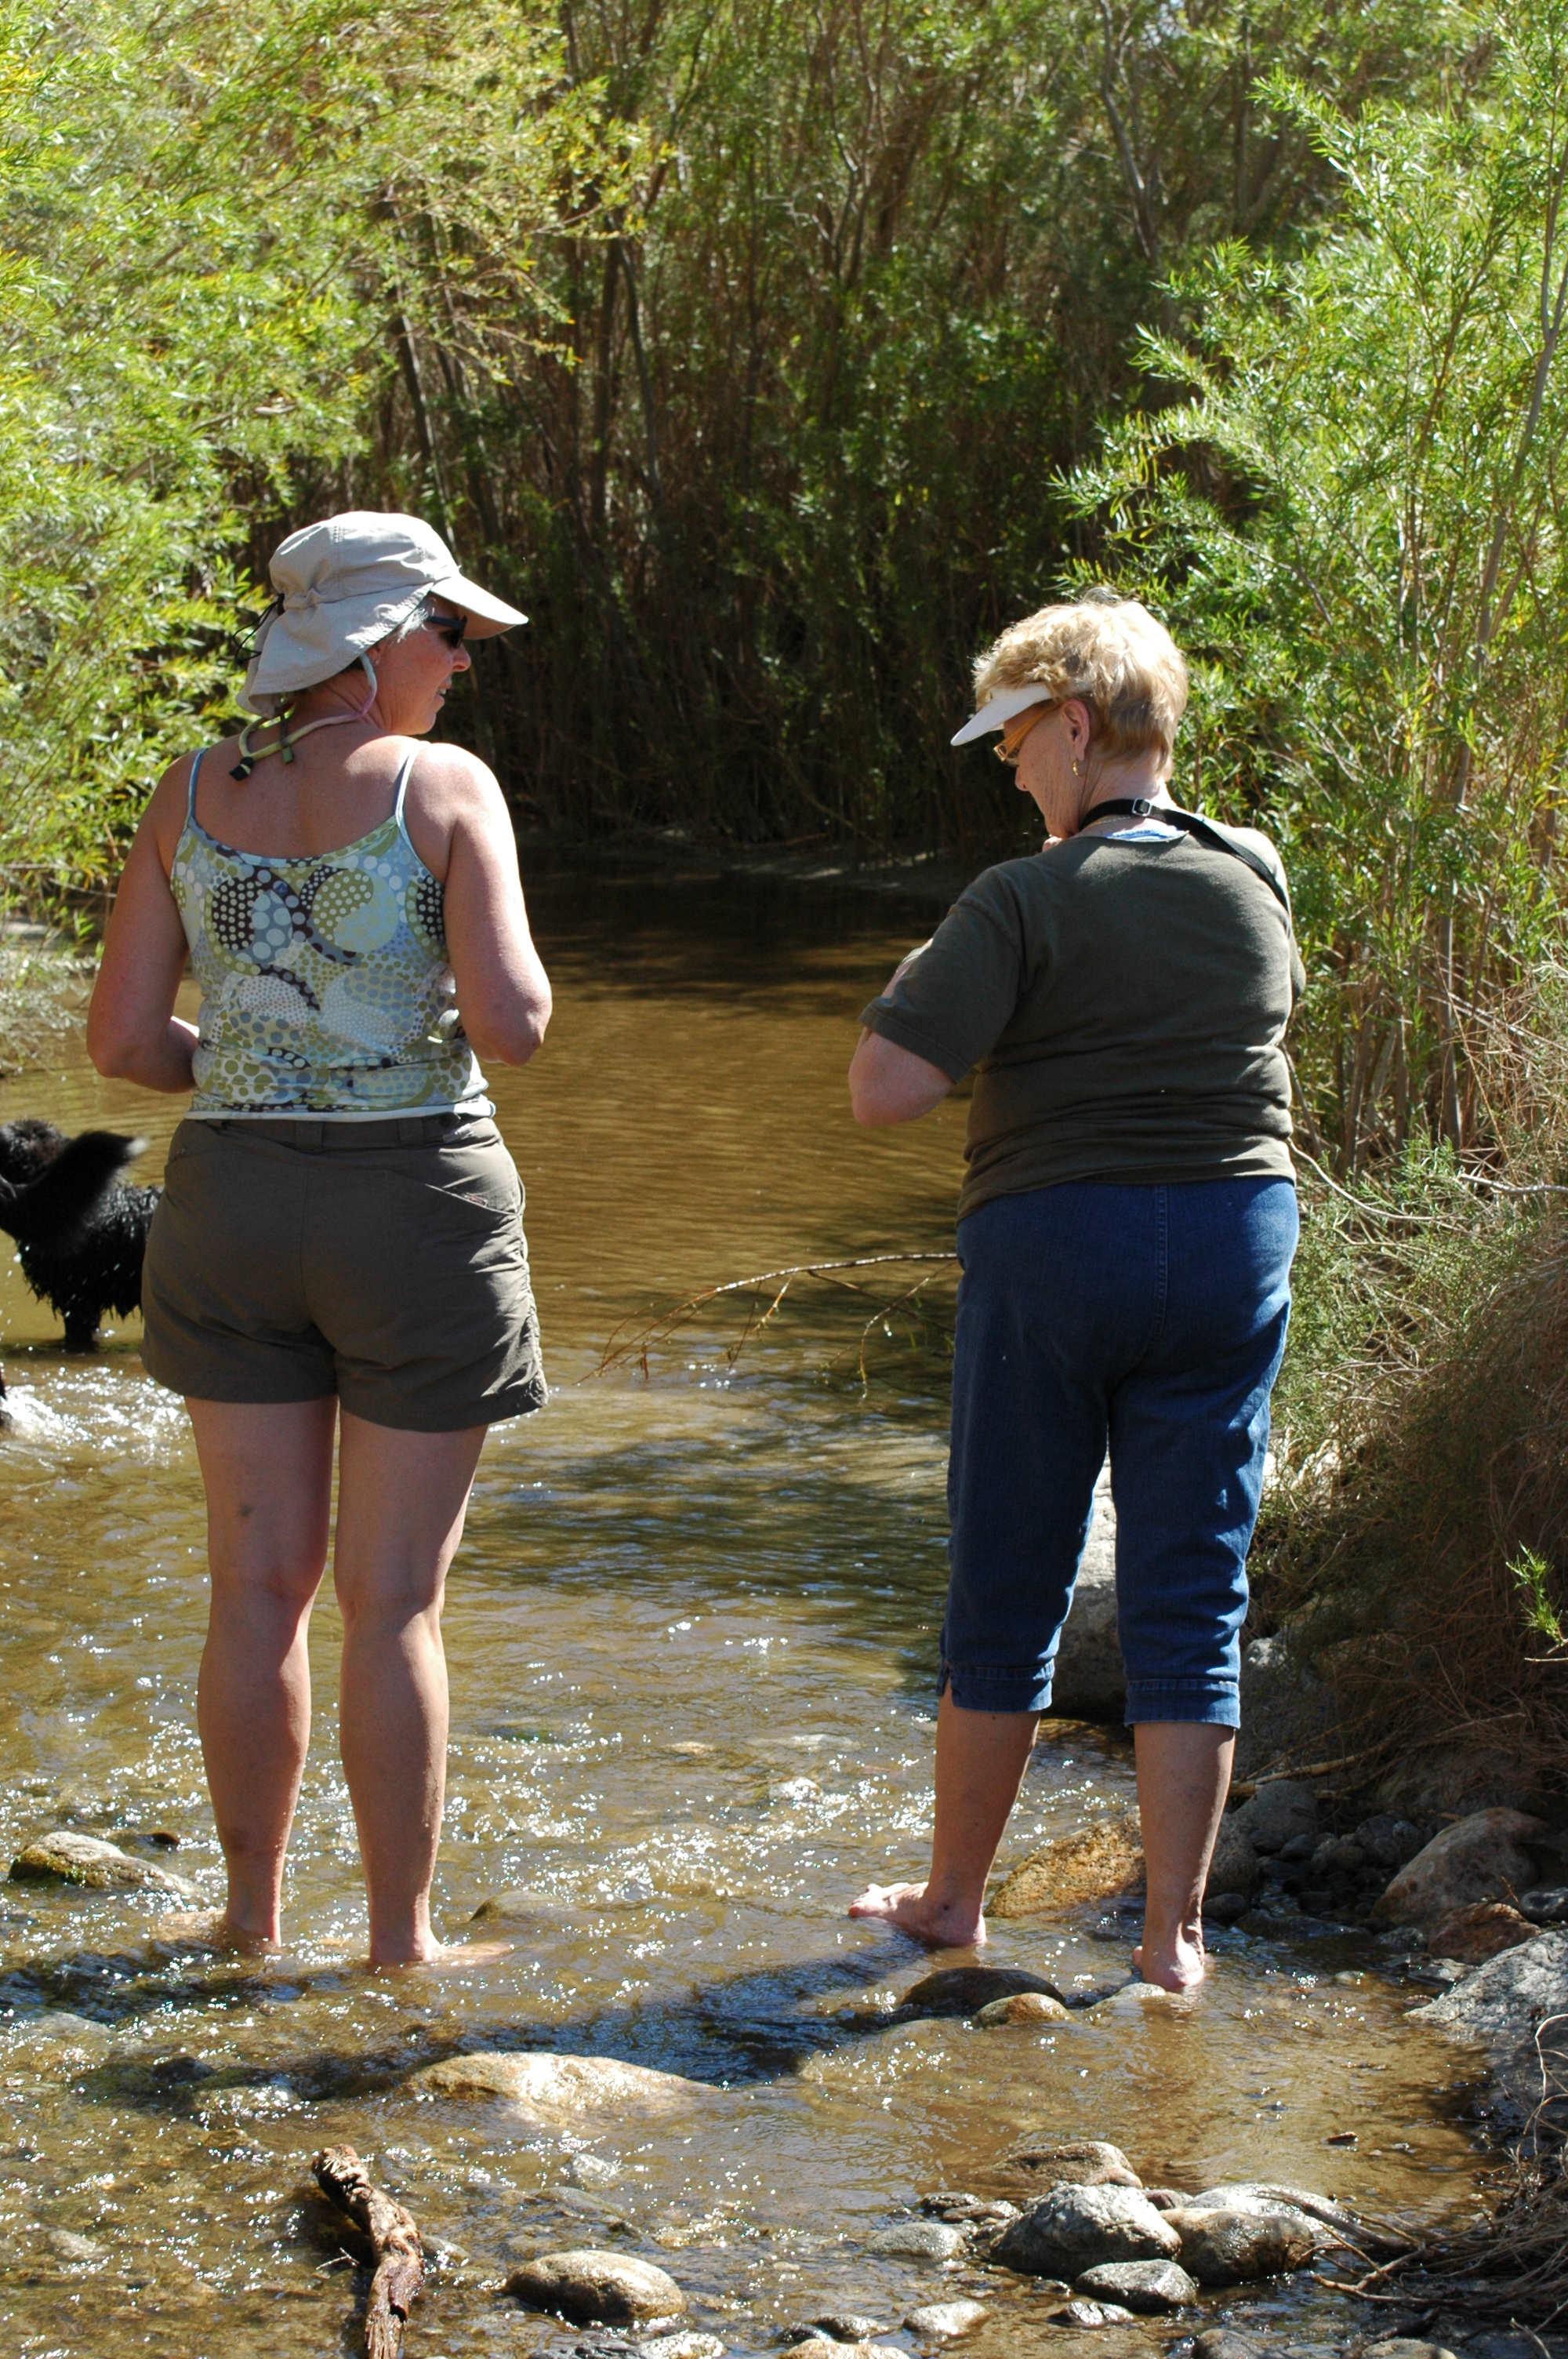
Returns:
(57,1206)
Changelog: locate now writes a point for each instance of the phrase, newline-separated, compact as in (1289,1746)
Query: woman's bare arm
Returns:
(890,1084)
(132,1033)
(503,992)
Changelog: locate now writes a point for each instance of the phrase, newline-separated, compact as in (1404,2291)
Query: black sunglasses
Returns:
(449,627)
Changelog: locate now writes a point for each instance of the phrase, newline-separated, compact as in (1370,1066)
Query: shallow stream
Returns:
(692,1635)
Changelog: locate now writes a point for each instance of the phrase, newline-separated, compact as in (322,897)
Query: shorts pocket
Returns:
(194,1139)
(472,1187)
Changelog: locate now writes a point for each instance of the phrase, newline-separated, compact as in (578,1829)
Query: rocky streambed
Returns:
(692,1637)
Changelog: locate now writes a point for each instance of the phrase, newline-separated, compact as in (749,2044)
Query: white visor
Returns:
(1000,708)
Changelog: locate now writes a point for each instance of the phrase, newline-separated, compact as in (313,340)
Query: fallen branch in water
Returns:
(637,1346)
(395,2244)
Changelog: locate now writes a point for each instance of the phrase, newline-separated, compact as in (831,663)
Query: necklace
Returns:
(250,754)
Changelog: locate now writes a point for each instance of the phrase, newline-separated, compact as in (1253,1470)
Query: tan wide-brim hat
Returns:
(343,585)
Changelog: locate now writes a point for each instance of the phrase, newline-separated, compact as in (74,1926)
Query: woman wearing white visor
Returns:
(339,1247)
(1126,1225)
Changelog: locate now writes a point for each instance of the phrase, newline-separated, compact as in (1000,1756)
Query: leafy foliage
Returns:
(1353,521)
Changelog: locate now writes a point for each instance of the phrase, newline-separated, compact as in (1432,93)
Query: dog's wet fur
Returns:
(80,1233)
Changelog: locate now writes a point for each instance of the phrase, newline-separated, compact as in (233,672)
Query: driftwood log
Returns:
(393,2240)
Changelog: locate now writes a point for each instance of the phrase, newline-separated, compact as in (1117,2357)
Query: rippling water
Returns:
(691,1635)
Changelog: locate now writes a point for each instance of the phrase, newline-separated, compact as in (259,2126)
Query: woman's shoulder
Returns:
(1253,839)
(446,773)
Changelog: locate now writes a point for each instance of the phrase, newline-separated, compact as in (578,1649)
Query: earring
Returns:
(1075,769)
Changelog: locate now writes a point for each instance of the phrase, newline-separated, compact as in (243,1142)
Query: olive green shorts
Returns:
(384,1261)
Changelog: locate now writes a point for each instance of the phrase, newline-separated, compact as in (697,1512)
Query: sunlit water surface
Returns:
(691,1633)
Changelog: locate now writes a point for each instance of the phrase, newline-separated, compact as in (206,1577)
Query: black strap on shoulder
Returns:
(1168,814)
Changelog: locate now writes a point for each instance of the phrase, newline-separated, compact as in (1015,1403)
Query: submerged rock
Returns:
(81,2251)
(595,2288)
(64,1856)
(1235,2247)
(560,2090)
(1219,2342)
(1478,1858)
(964,1990)
(824,2346)
(1024,2007)
(1481,1931)
(1149,2288)
(839,2326)
(1091,2314)
(918,2240)
(1099,1860)
(939,2322)
(976,2211)
(1073,2162)
(1074,2228)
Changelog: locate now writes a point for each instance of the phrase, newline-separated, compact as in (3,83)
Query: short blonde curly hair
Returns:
(1108,651)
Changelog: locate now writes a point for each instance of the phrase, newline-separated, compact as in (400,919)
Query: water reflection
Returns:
(692,1637)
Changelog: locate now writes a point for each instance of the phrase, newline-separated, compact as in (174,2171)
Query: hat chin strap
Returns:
(251,754)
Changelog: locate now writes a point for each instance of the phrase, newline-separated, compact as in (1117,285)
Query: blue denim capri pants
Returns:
(1151,1319)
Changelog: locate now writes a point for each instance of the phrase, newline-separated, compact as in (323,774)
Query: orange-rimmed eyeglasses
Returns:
(1018,729)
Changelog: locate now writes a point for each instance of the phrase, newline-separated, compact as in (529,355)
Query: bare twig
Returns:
(636,1347)
(393,2240)
(1247,1787)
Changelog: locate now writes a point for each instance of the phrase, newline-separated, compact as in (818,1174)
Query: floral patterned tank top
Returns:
(325,984)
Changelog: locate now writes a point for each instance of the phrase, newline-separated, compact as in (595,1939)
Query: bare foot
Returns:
(444,1958)
(209,1929)
(1178,1965)
(946,1925)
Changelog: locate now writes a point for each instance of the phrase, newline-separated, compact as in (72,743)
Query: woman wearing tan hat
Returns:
(1126,1226)
(339,1247)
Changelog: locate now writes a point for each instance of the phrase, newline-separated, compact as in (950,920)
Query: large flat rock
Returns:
(563,2090)
(66,1856)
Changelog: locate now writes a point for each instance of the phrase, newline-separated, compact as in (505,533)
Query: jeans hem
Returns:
(1216,1703)
(978,1689)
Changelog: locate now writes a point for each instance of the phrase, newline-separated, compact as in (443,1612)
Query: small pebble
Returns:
(1091,2314)
(839,2326)
(1340,2137)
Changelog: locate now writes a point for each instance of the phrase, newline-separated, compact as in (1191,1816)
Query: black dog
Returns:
(79,1233)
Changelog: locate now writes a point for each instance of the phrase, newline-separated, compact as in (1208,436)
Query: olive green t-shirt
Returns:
(1124,1000)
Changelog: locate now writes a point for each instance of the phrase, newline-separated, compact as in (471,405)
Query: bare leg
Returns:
(980,1760)
(268,1472)
(401,1498)
(1184,1776)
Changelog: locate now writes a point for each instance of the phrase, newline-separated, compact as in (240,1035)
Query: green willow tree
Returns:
(210,222)
(1353,520)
